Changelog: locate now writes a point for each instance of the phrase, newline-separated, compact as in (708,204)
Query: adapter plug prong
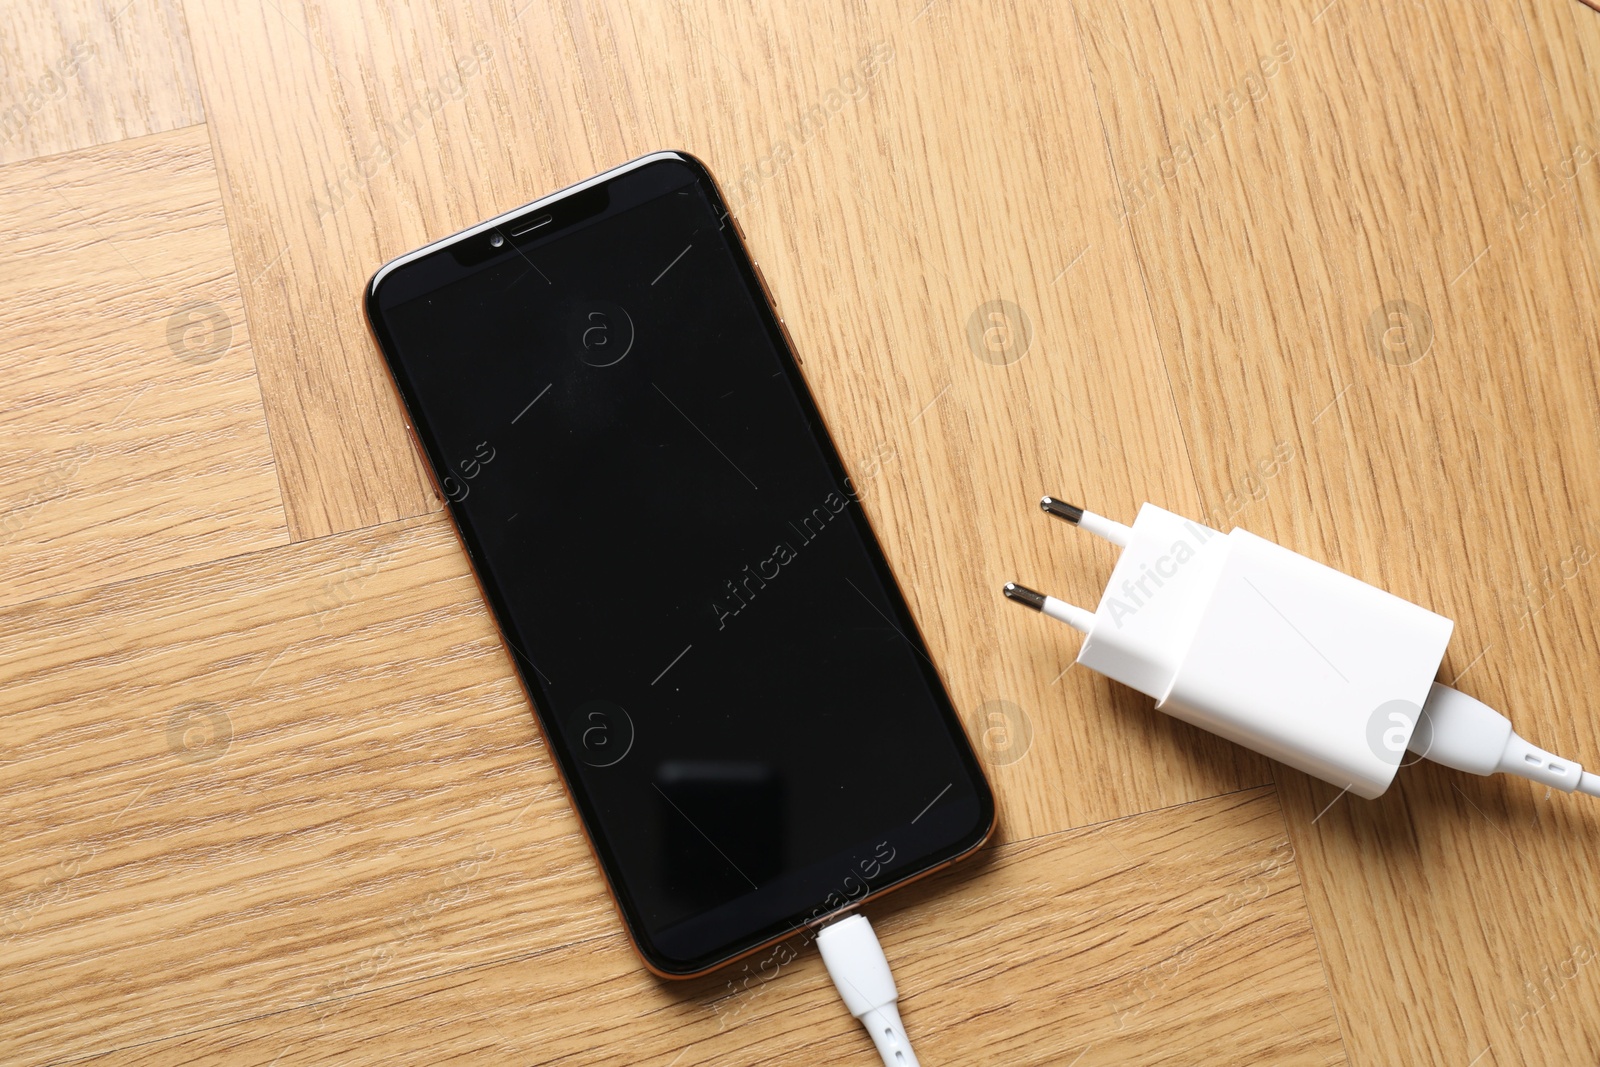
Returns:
(1099,525)
(1074,616)
(1023,595)
(1061,509)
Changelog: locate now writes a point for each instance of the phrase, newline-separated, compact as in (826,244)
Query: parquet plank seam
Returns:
(86,591)
(1399,141)
(1311,922)
(243,282)
(382,989)
(102,146)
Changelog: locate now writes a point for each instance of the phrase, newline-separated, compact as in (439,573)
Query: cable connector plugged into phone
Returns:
(1285,656)
(860,972)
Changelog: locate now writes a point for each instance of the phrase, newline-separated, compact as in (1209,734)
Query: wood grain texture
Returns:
(78,73)
(315,775)
(134,435)
(879,302)
(1563,46)
(1177,937)
(977,441)
(1327,271)
(1447,448)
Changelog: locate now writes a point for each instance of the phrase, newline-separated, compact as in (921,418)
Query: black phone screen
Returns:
(739,699)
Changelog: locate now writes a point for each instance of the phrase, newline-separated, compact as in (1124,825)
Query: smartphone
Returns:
(724,668)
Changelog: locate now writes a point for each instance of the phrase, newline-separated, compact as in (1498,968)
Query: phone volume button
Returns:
(783,327)
(761,277)
(789,340)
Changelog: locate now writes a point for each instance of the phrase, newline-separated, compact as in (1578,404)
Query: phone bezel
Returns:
(479,234)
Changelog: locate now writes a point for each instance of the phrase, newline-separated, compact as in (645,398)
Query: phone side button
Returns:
(766,289)
(789,340)
(773,304)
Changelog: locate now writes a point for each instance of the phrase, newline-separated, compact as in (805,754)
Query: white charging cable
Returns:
(860,972)
(1285,656)
(1465,733)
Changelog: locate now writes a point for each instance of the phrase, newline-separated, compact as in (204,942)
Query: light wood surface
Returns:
(135,437)
(273,793)
(1147,921)
(77,73)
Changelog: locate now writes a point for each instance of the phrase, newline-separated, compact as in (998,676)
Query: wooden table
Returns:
(1327,270)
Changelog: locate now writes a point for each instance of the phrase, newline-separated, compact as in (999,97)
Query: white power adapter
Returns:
(1286,656)
(1267,648)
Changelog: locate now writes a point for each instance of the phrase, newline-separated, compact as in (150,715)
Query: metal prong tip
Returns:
(1061,509)
(1023,595)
